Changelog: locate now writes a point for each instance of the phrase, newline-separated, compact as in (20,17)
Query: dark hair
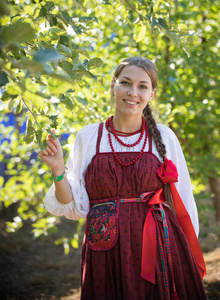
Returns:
(151,70)
(142,63)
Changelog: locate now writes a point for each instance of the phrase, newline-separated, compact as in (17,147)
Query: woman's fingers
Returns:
(50,151)
(53,154)
(43,153)
(51,147)
(55,142)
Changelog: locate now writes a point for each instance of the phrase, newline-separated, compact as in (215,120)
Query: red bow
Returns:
(168,174)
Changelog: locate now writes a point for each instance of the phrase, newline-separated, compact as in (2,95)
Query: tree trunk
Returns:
(214,184)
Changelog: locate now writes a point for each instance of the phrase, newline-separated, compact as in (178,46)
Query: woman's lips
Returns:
(130,102)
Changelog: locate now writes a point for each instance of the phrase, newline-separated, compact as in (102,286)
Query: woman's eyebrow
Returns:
(142,81)
(126,77)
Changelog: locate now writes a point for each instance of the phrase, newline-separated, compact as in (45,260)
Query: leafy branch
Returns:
(134,9)
(32,114)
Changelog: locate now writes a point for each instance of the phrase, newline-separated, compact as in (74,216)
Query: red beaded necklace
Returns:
(120,133)
(109,123)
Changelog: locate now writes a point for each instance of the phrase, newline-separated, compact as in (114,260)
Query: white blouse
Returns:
(84,149)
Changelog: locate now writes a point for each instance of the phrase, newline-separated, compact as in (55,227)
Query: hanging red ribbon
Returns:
(148,261)
(168,174)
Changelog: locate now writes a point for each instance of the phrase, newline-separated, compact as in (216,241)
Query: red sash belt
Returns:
(168,174)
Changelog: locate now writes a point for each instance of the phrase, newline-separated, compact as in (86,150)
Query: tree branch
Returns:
(31,114)
(134,9)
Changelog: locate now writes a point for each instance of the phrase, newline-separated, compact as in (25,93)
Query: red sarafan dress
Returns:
(115,274)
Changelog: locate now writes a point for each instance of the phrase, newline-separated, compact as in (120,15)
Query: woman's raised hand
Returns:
(53,154)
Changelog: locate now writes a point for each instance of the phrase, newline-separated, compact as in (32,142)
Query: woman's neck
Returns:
(127,124)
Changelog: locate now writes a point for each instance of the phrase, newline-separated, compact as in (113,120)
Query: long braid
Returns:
(155,133)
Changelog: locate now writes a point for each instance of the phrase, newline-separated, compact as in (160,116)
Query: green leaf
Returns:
(54,65)
(173,37)
(94,63)
(64,40)
(81,70)
(29,137)
(14,89)
(47,54)
(163,23)
(65,50)
(68,68)
(19,107)
(81,100)
(106,2)
(77,29)
(33,67)
(49,5)
(11,104)
(67,102)
(75,57)
(5,96)
(4,8)
(3,78)
(61,77)
(66,16)
(140,32)
(53,134)
(84,72)
(101,81)
(52,20)
(43,12)
(16,52)
(17,32)
(58,86)
(88,19)
(75,242)
(84,63)
(70,91)
(38,134)
(154,22)
(83,52)
(53,119)
(36,98)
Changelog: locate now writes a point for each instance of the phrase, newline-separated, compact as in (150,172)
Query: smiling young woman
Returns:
(141,218)
(132,91)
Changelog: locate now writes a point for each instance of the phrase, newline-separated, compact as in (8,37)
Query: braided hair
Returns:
(150,68)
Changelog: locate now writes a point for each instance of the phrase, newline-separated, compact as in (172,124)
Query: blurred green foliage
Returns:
(57,59)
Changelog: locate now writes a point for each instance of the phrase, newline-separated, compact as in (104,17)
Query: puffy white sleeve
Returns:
(174,152)
(80,156)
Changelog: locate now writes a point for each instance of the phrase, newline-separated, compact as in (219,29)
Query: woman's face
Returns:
(132,91)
